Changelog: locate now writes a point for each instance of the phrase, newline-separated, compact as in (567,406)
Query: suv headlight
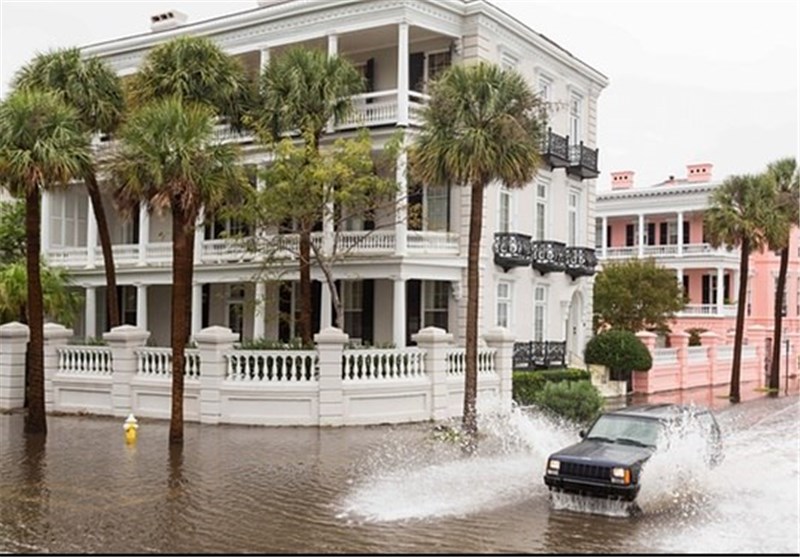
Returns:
(620,475)
(553,466)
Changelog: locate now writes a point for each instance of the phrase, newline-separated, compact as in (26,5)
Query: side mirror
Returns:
(582,433)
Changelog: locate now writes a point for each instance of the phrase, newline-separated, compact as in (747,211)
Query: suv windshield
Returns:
(625,430)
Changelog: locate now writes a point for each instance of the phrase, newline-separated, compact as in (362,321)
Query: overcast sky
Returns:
(690,81)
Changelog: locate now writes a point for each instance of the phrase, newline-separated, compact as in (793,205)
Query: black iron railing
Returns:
(547,256)
(580,262)
(539,354)
(583,161)
(555,149)
(512,250)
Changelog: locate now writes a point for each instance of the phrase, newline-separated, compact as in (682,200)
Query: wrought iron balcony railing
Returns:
(539,354)
(547,256)
(512,250)
(555,149)
(580,262)
(583,162)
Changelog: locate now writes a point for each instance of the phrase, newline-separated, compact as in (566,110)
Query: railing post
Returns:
(502,340)
(330,348)
(680,341)
(55,336)
(123,341)
(710,339)
(435,342)
(13,346)
(212,343)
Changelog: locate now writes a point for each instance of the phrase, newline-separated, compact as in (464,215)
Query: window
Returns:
(508,61)
(235,311)
(437,208)
(68,219)
(545,88)
(541,210)
(539,312)
(435,301)
(573,219)
(504,218)
(352,302)
(575,118)
(437,63)
(504,304)
(598,233)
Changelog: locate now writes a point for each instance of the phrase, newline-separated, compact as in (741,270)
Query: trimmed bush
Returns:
(620,351)
(578,401)
(525,384)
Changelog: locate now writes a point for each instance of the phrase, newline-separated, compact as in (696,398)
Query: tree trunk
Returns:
(736,367)
(470,419)
(112,304)
(182,260)
(780,292)
(36,420)
(305,285)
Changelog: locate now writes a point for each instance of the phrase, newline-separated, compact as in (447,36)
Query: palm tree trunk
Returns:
(780,291)
(470,419)
(744,267)
(182,254)
(36,420)
(305,285)
(112,305)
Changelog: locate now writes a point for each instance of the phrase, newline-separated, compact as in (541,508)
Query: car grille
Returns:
(580,470)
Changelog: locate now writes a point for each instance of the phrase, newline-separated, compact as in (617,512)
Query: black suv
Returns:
(609,459)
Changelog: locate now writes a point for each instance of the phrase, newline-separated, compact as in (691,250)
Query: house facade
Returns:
(665,221)
(399,275)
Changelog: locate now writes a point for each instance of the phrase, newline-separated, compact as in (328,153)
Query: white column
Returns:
(680,233)
(641,236)
(141,307)
(604,233)
(401,209)
(199,236)
(333,50)
(144,232)
(91,238)
(259,310)
(264,58)
(720,289)
(399,313)
(197,308)
(679,277)
(402,74)
(325,311)
(90,312)
(45,228)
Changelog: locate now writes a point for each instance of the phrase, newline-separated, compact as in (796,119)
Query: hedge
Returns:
(525,384)
(578,401)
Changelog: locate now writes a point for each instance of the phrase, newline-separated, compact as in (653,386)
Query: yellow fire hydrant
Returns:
(131,425)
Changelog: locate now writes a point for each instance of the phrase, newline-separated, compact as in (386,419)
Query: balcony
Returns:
(669,251)
(539,354)
(582,162)
(512,250)
(580,262)
(708,310)
(548,256)
(555,150)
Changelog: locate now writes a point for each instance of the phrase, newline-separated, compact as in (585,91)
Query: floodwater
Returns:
(385,489)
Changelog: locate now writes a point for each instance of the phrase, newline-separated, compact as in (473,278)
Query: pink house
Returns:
(665,221)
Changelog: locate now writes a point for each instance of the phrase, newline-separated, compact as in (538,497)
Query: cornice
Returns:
(658,191)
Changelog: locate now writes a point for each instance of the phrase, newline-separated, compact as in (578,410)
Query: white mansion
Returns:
(537,264)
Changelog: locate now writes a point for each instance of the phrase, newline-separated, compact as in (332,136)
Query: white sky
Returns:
(690,81)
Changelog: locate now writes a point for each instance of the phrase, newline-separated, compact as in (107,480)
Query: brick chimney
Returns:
(698,172)
(167,20)
(622,180)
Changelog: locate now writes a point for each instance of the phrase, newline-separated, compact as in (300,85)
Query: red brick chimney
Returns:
(622,180)
(698,172)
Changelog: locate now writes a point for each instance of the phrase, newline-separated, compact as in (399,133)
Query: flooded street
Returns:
(384,489)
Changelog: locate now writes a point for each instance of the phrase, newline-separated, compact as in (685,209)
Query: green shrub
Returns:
(578,401)
(620,351)
(525,384)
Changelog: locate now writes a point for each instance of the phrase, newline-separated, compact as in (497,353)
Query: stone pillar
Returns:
(436,342)
(604,235)
(141,306)
(680,233)
(648,339)
(91,238)
(330,347)
(265,57)
(197,308)
(199,236)
(144,232)
(720,291)
(710,340)
(325,309)
(680,342)
(502,340)
(640,380)
(212,343)
(13,346)
(641,235)
(259,310)
(124,340)
(399,312)
(402,74)
(55,337)
(90,312)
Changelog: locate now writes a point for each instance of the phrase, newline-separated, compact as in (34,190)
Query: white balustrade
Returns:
(444,243)
(67,256)
(665,355)
(724,352)
(365,242)
(457,361)
(85,360)
(157,363)
(271,366)
(728,310)
(383,364)
(227,250)
(159,252)
(697,353)
(624,252)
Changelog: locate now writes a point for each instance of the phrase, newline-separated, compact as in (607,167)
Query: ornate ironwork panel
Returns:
(547,256)
(512,250)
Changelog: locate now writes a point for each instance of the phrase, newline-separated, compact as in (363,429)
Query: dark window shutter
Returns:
(629,232)
(413,309)
(651,234)
(368,311)
(369,77)
(416,71)
(686,286)
(707,290)
(686,231)
(285,316)
(608,236)
(664,234)
(316,297)
(206,303)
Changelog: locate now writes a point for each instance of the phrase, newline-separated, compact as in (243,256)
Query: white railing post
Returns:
(330,348)
(55,336)
(13,346)
(502,340)
(403,85)
(123,341)
(436,342)
(212,343)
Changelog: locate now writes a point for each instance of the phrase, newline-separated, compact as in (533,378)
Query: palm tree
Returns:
(483,124)
(783,176)
(59,302)
(92,87)
(736,218)
(167,158)
(42,144)
(304,90)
